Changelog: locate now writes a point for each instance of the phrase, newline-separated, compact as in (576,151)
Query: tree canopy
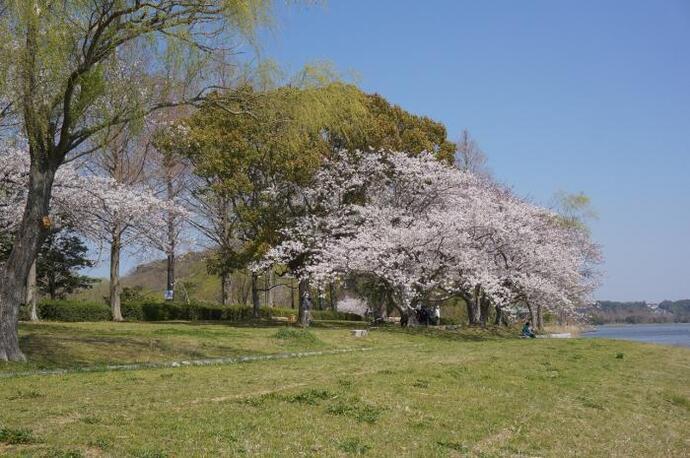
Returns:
(251,148)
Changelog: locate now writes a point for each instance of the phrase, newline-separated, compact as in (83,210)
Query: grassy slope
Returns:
(413,395)
(191,275)
(151,276)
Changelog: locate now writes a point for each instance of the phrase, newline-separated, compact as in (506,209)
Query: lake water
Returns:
(665,334)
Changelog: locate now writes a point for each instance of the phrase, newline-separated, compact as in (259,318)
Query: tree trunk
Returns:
(170,286)
(408,313)
(271,280)
(115,288)
(531,313)
(404,317)
(256,303)
(304,302)
(501,316)
(331,296)
(31,292)
(225,287)
(499,313)
(540,318)
(478,304)
(472,309)
(408,317)
(52,286)
(484,308)
(292,293)
(32,232)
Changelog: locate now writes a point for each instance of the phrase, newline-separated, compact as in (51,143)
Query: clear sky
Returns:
(587,95)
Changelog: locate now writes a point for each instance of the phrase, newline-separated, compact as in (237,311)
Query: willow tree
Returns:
(244,164)
(61,61)
(252,164)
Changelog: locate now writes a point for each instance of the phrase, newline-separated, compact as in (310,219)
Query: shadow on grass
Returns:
(68,351)
(466,333)
(47,352)
(230,324)
(74,351)
(320,324)
(52,345)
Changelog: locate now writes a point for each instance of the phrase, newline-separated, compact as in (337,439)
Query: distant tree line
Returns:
(606,312)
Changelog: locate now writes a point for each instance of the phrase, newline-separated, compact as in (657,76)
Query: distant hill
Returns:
(641,312)
(193,280)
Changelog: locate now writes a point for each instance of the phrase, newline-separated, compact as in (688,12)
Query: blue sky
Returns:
(589,96)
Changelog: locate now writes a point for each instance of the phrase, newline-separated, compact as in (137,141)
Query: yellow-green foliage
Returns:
(82,66)
(250,146)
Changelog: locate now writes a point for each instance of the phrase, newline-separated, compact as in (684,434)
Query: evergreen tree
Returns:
(61,257)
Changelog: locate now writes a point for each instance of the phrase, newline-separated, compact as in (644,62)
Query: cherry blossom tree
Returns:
(128,217)
(93,206)
(428,230)
(170,173)
(66,204)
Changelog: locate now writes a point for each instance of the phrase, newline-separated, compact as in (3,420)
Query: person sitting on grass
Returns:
(527,331)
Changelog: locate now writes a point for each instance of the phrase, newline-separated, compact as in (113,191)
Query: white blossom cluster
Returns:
(90,204)
(422,227)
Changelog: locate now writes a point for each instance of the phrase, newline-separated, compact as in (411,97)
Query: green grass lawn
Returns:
(411,394)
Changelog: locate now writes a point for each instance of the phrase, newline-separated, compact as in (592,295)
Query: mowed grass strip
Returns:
(445,397)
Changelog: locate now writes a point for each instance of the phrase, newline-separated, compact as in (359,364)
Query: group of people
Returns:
(429,315)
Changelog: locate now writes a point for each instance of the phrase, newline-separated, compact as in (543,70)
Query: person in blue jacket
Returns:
(527,331)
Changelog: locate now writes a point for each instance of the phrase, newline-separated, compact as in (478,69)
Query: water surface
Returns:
(666,334)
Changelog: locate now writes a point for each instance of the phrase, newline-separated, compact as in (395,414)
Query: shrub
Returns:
(151,310)
(132,294)
(331,315)
(156,310)
(64,310)
(161,311)
(335,315)
(132,311)
(278,312)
